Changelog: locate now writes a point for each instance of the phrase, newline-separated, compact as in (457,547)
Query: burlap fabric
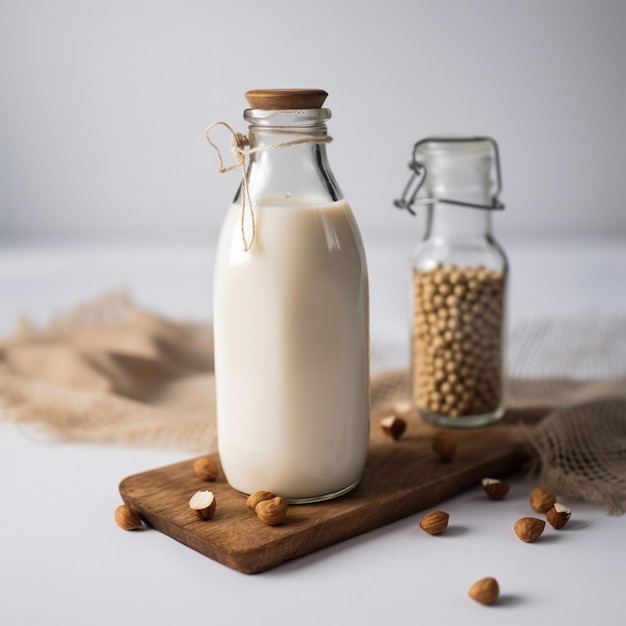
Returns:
(112,372)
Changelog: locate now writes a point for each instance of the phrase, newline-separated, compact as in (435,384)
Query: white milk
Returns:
(292,351)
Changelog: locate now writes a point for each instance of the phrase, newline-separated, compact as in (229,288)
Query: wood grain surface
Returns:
(279,99)
(401,478)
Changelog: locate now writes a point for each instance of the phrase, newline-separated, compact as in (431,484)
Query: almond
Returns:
(529,528)
(541,500)
(494,488)
(558,515)
(203,504)
(273,511)
(435,522)
(485,590)
(258,496)
(445,445)
(205,468)
(127,518)
(393,426)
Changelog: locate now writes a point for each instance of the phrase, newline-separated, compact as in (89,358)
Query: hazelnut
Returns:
(203,504)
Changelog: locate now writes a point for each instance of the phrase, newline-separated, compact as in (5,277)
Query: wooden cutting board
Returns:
(401,478)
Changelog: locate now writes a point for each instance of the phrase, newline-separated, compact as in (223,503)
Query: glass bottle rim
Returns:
(296,118)
(456,145)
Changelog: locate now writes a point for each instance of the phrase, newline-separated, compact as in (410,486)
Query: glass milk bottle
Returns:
(459,279)
(291,313)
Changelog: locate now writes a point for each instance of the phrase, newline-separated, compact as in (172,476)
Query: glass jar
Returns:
(291,313)
(459,281)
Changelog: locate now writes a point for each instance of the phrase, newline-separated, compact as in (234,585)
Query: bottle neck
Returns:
(288,159)
(457,223)
(460,171)
(281,153)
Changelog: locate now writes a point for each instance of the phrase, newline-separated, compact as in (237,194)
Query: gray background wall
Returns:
(104,106)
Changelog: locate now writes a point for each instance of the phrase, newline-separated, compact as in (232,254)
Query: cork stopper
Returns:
(285,99)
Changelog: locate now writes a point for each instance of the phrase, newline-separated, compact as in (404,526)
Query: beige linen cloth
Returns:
(112,372)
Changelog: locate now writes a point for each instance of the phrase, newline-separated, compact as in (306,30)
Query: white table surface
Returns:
(64,561)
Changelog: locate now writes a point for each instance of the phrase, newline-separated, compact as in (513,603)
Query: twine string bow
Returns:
(238,144)
(241,151)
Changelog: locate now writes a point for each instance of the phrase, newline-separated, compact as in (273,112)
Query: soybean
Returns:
(457,340)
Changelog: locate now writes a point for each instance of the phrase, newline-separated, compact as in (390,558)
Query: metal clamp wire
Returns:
(419,176)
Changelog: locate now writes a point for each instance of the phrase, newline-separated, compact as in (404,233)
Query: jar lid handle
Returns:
(409,195)
(285,99)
